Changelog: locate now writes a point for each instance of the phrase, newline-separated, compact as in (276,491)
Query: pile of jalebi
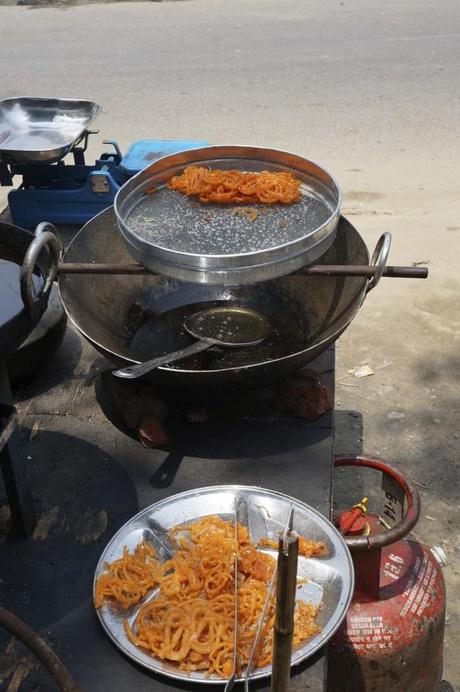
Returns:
(191,620)
(212,185)
(130,578)
(306,548)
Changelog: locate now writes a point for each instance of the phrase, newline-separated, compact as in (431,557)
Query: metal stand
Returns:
(13,462)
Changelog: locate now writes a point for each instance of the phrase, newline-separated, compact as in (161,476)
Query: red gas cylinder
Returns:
(392,636)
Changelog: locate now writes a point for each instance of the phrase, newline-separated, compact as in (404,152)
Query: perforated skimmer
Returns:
(225,326)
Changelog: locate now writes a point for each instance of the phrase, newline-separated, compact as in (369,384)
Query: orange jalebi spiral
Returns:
(130,578)
(306,548)
(190,622)
(211,185)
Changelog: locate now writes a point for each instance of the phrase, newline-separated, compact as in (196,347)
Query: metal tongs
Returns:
(231,680)
(286,533)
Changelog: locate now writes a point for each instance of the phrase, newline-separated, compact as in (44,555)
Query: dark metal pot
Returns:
(26,305)
(132,318)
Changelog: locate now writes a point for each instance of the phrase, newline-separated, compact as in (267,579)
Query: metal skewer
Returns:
(231,681)
(367,271)
(250,665)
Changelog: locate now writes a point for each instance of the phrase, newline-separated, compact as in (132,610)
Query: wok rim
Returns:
(250,367)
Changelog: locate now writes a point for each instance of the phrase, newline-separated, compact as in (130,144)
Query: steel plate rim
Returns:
(180,253)
(180,676)
(194,268)
(334,213)
(277,267)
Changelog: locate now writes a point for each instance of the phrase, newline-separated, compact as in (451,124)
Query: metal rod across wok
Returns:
(317,270)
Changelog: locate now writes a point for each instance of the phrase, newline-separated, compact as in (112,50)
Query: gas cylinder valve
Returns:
(352,521)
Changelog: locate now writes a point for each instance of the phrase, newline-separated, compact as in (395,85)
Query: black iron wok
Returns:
(132,318)
(23,304)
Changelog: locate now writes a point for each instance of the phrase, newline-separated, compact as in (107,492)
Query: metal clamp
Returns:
(375,542)
(83,138)
(379,259)
(45,236)
(79,151)
(114,143)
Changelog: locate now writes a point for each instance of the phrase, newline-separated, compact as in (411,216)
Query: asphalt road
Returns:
(370,90)
(346,83)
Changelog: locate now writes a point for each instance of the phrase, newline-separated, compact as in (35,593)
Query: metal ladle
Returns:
(226,326)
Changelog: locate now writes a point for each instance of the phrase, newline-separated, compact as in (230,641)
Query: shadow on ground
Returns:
(79,506)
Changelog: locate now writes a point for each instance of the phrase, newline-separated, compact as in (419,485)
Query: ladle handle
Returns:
(140,369)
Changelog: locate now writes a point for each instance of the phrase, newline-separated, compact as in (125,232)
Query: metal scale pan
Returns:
(327,580)
(42,130)
(174,235)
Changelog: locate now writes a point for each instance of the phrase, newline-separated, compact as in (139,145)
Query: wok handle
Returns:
(45,236)
(139,369)
(379,259)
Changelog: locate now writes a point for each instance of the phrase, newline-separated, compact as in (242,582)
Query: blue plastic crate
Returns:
(145,151)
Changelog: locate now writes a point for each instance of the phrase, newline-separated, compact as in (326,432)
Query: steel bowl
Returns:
(42,130)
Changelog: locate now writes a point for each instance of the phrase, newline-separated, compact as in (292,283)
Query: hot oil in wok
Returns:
(165,333)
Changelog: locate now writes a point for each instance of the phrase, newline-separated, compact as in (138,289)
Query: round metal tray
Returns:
(177,236)
(265,512)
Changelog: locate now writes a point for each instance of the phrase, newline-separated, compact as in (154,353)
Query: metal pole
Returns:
(288,549)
